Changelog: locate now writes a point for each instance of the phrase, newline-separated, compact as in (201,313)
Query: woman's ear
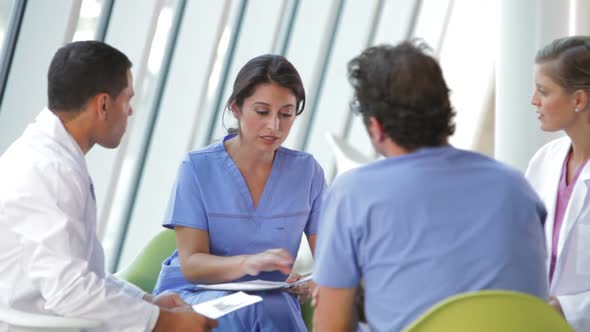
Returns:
(235,110)
(581,100)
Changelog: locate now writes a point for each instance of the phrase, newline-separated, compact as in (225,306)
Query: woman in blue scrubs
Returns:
(239,207)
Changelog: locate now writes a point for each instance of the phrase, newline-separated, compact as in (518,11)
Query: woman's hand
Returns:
(302,291)
(554,302)
(270,260)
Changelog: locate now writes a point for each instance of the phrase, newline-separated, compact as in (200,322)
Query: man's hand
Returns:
(183,319)
(554,302)
(169,301)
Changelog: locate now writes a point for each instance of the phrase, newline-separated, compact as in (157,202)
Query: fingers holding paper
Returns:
(303,291)
(269,260)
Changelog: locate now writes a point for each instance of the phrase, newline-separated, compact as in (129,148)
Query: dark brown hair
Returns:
(404,89)
(81,70)
(268,68)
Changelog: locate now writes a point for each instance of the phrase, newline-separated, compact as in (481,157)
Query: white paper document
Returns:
(224,305)
(255,285)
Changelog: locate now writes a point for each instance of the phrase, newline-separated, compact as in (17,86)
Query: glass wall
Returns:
(5,11)
(88,20)
(185,56)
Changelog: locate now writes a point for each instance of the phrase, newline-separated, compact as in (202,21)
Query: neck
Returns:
(246,155)
(393,150)
(580,136)
(76,125)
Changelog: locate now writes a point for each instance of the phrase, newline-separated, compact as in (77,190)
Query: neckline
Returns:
(240,182)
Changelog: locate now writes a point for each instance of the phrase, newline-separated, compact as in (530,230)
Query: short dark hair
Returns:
(83,69)
(404,89)
(572,62)
(268,68)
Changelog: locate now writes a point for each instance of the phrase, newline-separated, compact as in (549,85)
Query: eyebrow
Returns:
(267,104)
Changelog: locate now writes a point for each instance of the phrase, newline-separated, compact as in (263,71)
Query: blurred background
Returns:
(186,54)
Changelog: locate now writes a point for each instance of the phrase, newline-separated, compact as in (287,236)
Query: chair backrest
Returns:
(347,157)
(490,310)
(145,268)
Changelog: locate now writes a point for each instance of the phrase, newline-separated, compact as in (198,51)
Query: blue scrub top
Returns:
(210,194)
(424,226)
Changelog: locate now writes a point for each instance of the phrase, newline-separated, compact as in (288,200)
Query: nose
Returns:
(273,122)
(535,99)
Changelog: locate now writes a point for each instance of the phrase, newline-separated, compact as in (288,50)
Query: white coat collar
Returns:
(577,199)
(50,125)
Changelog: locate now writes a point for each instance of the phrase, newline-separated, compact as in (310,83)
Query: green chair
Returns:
(145,268)
(491,311)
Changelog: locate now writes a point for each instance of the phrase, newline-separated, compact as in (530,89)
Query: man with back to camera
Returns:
(427,222)
(51,261)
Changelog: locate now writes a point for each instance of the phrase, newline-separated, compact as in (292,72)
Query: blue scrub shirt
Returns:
(210,194)
(424,226)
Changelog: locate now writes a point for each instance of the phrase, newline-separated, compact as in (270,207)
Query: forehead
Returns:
(129,88)
(545,73)
(272,91)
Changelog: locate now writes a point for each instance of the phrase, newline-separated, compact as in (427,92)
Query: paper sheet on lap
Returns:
(224,305)
(255,285)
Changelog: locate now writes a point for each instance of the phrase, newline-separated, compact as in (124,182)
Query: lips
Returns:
(269,139)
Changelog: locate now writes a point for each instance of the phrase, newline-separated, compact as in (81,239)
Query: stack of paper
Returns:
(255,285)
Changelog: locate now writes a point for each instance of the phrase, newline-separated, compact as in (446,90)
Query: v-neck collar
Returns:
(266,196)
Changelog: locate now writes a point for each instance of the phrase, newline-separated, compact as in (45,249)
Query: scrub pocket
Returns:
(583,249)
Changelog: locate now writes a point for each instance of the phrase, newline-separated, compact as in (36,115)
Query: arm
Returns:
(198,265)
(55,242)
(334,312)
(311,239)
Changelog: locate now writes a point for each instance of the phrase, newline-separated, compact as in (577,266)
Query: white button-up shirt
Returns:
(50,258)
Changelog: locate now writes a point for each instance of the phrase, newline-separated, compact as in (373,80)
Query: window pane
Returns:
(173,132)
(5,11)
(138,134)
(88,21)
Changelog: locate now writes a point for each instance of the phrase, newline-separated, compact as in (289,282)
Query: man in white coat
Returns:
(51,261)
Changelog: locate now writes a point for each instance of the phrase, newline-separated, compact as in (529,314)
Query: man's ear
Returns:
(101,104)
(375,130)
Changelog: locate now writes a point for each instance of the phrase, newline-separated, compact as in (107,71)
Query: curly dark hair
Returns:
(404,89)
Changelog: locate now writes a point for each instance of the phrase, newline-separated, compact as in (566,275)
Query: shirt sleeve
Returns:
(318,189)
(127,287)
(336,263)
(55,240)
(185,207)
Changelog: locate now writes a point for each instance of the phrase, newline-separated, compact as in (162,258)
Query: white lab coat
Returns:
(50,258)
(571,279)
